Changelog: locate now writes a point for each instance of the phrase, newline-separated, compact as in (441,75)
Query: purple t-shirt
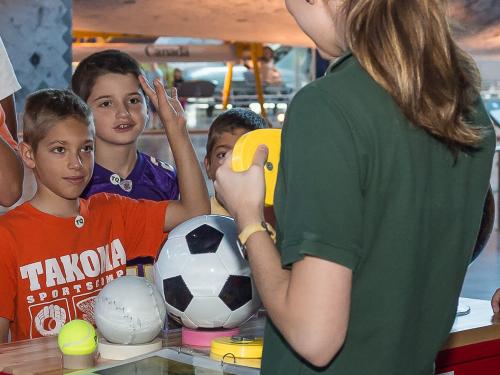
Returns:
(150,179)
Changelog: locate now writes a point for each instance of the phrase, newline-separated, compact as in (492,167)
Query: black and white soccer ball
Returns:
(203,277)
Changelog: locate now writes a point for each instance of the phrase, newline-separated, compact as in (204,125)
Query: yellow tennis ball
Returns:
(77,337)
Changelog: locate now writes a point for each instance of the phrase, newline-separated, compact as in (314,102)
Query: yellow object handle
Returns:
(244,151)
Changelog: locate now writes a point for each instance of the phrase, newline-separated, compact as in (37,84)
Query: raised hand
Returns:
(193,190)
(166,104)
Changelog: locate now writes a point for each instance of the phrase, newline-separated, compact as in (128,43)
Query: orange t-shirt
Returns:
(4,131)
(52,270)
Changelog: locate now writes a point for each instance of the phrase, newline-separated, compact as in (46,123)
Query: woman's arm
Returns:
(194,199)
(310,303)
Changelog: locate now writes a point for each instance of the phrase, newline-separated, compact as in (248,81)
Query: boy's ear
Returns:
(27,154)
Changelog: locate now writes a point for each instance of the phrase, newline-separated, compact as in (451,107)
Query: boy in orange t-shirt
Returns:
(57,251)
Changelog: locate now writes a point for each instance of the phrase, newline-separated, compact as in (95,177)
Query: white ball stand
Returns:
(78,362)
(118,352)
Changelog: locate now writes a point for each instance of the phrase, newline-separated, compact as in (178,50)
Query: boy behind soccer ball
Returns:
(222,136)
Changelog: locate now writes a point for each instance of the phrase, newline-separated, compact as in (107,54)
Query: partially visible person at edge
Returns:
(384,168)
(11,167)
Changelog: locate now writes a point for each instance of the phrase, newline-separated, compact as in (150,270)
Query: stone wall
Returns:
(37,36)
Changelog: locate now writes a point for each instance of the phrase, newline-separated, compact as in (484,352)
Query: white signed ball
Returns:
(129,310)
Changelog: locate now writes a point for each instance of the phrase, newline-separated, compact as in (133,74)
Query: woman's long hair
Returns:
(407,47)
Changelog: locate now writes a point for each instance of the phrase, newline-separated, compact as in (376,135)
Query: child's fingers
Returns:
(160,90)
(146,87)
(164,100)
(175,101)
(172,99)
(174,93)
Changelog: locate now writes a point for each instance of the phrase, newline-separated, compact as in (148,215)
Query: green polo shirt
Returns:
(360,186)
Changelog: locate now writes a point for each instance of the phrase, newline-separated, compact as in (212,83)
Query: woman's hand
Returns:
(242,193)
(168,106)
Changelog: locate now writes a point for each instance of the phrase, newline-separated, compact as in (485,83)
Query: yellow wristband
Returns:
(254,228)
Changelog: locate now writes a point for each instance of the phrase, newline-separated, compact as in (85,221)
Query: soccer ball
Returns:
(203,277)
(129,310)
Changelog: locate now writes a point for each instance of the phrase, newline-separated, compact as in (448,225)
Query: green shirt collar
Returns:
(339,60)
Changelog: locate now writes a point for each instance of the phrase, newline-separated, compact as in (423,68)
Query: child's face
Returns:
(64,159)
(224,142)
(119,108)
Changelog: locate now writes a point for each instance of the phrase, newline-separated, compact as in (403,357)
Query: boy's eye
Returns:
(106,103)
(88,148)
(58,150)
(220,155)
(135,100)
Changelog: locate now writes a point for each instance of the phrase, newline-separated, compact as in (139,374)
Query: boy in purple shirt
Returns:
(150,179)
(109,82)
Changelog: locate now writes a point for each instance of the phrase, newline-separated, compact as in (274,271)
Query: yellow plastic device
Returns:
(244,151)
(240,350)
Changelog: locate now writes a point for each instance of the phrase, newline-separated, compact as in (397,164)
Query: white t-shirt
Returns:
(8,80)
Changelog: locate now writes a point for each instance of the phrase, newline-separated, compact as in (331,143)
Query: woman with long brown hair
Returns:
(384,168)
